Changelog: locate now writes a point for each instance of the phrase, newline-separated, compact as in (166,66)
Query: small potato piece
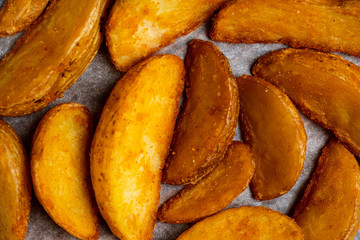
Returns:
(330,207)
(60,169)
(15,185)
(131,143)
(206,125)
(137,29)
(324,86)
(273,127)
(250,223)
(215,191)
(326,25)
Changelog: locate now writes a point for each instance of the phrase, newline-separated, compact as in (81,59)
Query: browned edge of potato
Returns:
(334,27)
(272,126)
(213,192)
(324,86)
(60,169)
(15,198)
(207,122)
(137,29)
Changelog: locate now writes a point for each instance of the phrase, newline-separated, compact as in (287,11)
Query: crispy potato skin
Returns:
(131,143)
(15,185)
(326,25)
(17,15)
(60,169)
(206,125)
(213,192)
(330,207)
(324,86)
(274,129)
(250,223)
(137,29)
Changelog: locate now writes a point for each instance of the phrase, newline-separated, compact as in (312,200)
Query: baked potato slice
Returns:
(15,185)
(330,207)
(213,192)
(252,223)
(324,86)
(136,29)
(60,169)
(206,125)
(131,143)
(326,25)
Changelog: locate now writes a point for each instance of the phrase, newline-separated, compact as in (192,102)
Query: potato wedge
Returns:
(326,25)
(330,207)
(251,223)
(50,57)
(213,192)
(274,129)
(136,29)
(60,169)
(15,185)
(17,15)
(131,143)
(324,86)
(206,125)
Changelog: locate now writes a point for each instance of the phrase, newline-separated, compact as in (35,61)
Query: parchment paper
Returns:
(92,90)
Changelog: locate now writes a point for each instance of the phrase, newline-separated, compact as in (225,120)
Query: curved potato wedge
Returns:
(213,192)
(131,143)
(326,25)
(60,169)
(251,223)
(137,29)
(206,125)
(330,207)
(324,86)
(17,15)
(15,185)
(274,129)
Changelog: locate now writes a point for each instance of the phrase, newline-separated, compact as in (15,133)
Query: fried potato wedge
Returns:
(17,15)
(206,125)
(251,223)
(330,207)
(274,129)
(15,185)
(131,143)
(50,57)
(324,86)
(60,169)
(326,25)
(137,29)
(213,192)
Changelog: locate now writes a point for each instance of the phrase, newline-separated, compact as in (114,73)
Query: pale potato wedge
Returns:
(330,207)
(250,223)
(326,25)
(213,192)
(60,169)
(15,186)
(272,126)
(206,125)
(324,86)
(131,143)
(136,29)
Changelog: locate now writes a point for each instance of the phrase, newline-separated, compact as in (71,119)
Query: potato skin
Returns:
(330,207)
(206,125)
(15,198)
(136,29)
(131,143)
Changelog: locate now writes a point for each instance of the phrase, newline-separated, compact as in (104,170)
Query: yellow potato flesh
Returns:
(330,207)
(131,143)
(60,169)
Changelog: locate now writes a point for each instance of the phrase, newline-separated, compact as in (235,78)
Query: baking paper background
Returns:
(92,90)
